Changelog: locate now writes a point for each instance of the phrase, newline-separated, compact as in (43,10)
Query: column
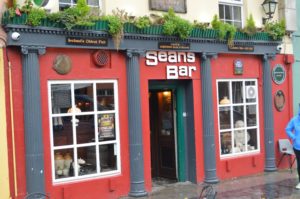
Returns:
(209,144)
(35,179)
(137,183)
(270,164)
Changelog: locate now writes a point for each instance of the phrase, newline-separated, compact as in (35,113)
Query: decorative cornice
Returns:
(133,52)
(209,55)
(33,49)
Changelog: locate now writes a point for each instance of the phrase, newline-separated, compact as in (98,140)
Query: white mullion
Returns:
(117,128)
(51,130)
(74,130)
(96,127)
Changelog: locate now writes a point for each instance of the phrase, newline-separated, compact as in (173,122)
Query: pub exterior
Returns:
(93,121)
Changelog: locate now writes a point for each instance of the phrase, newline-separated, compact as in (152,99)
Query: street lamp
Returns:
(269,7)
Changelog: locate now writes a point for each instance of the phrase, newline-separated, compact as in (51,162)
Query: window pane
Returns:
(251,115)
(226,145)
(237,92)
(223,88)
(238,114)
(225,119)
(86,160)
(62,131)
(93,2)
(60,98)
(237,13)
(84,97)
(250,91)
(106,127)
(239,139)
(85,129)
(228,12)
(105,97)
(221,11)
(108,158)
(252,140)
(63,163)
(238,24)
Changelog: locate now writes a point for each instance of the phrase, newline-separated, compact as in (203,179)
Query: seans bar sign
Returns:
(172,58)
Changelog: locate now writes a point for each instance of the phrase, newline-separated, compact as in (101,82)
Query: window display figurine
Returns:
(239,137)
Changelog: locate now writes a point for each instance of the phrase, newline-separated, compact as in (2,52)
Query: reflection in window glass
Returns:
(225,118)
(108,161)
(84,129)
(237,118)
(61,98)
(62,133)
(84,99)
(237,92)
(105,97)
(86,160)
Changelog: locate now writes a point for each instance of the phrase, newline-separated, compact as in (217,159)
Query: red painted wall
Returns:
(82,68)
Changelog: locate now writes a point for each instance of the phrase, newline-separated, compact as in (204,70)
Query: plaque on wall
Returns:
(279,100)
(238,67)
(165,5)
(278,74)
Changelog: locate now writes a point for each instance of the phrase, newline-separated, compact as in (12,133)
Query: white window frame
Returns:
(97,143)
(244,104)
(72,3)
(233,3)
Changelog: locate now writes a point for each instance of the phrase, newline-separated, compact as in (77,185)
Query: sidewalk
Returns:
(280,184)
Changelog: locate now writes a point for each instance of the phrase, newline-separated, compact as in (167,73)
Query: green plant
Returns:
(27,7)
(12,10)
(74,16)
(142,22)
(174,25)
(35,16)
(275,29)
(115,25)
(250,28)
(200,25)
(224,29)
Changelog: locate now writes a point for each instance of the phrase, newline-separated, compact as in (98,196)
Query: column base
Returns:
(270,169)
(137,193)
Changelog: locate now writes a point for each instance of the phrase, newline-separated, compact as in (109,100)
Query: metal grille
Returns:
(101,58)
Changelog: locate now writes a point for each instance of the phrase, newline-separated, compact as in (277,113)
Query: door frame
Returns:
(180,144)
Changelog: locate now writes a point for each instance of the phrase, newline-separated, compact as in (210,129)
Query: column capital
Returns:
(209,55)
(266,57)
(33,49)
(134,52)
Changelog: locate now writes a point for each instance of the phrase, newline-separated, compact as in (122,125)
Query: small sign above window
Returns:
(84,41)
(278,74)
(238,67)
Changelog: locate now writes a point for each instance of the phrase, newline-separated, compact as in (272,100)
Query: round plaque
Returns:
(279,100)
(278,74)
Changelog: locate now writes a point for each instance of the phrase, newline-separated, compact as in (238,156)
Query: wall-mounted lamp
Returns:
(269,7)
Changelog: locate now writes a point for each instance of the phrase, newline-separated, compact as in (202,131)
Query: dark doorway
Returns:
(163,148)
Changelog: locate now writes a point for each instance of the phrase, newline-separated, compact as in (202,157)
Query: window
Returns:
(238,116)
(230,11)
(94,5)
(84,129)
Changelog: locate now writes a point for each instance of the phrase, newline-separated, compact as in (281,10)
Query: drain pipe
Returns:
(12,124)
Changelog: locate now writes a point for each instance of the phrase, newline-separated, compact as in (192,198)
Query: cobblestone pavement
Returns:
(280,184)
